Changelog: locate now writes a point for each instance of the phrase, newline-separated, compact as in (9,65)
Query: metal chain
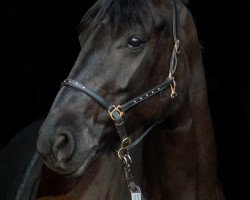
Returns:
(135,190)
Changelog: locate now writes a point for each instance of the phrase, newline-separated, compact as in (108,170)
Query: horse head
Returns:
(126,49)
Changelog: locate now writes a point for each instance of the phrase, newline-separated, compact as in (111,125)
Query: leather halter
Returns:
(116,112)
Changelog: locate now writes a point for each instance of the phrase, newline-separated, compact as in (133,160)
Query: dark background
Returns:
(40,45)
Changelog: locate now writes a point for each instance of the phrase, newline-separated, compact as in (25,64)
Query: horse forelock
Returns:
(122,13)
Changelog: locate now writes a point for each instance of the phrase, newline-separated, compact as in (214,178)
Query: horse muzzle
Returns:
(63,152)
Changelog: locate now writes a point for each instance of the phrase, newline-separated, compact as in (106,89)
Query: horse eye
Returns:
(135,42)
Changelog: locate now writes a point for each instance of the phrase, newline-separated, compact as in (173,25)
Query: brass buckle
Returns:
(124,147)
(173,89)
(113,109)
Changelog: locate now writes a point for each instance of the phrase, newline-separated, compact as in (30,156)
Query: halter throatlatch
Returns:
(116,112)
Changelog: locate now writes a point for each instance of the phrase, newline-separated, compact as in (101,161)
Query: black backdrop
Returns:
(41,44)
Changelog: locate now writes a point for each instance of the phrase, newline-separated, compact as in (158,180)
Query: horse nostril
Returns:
(61,142)
(63,146)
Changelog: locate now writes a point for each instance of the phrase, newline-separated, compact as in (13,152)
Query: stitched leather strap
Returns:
(124,107)
(92,94)
(176,48)
(175,20)
(145,133)
(146,95)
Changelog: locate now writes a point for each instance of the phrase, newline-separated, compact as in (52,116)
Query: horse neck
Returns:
(181,154)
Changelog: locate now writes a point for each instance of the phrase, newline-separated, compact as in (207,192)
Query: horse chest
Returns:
(105,180)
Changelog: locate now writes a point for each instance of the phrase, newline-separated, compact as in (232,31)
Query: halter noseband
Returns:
(116,112)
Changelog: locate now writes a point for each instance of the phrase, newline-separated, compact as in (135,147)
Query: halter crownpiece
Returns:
(116,112)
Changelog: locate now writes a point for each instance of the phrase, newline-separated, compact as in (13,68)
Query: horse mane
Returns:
(122,13)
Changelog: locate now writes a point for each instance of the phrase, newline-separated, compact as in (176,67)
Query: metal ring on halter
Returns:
(177,46)
(124,147)
(121,152)
(173,89)
(125,143)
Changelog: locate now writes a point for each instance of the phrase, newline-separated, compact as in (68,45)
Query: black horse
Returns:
(147,51)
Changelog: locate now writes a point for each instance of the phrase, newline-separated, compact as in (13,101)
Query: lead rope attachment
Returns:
(116,113)
(123,154)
